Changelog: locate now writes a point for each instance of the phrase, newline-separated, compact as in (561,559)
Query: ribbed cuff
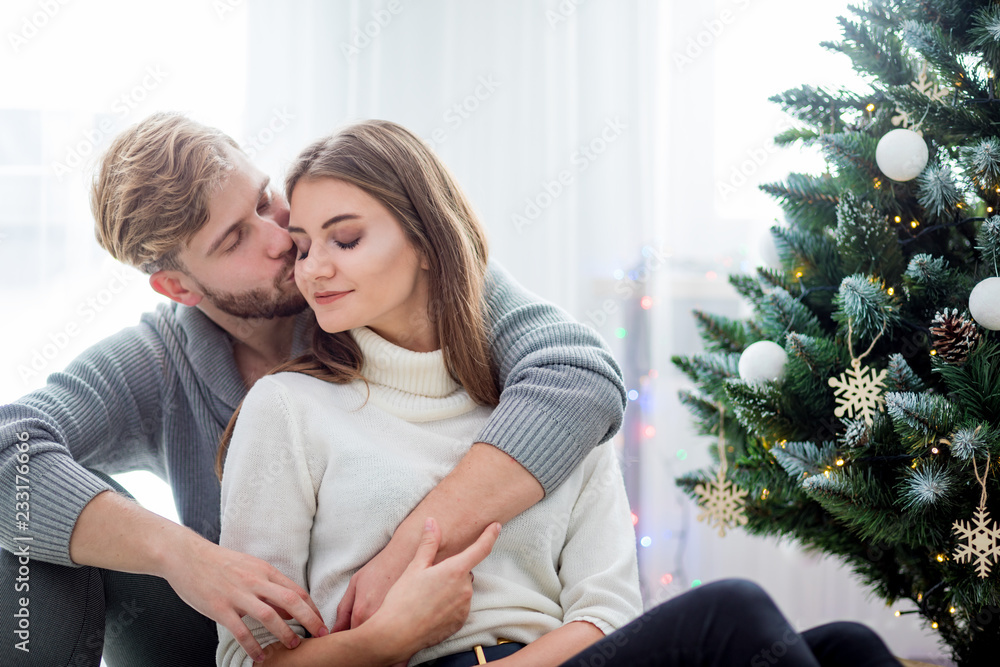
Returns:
(532,438)
(59,489)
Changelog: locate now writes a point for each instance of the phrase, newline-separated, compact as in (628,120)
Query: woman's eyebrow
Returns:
(332,221)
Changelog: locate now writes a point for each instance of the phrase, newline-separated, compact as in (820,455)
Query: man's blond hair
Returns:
(151,192)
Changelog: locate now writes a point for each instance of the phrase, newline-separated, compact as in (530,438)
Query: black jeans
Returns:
(731,623)
(76,614)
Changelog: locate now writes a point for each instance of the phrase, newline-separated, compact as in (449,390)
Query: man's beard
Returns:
(258,303)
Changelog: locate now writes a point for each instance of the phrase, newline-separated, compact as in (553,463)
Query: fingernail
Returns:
(259,657)
(323,632)
(428,524)
(295,642)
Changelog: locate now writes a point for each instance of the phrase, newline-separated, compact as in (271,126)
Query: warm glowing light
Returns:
(646,302)
(878,184)
(898,614)
(989,209)
(914,223)
(666,579)
(870,107)
(920,597)
(635,518)
(649,431)
(940,558)
(933,353)
(934,625)
(958,205)
(891,291)
(952,610)
(934,450)
(764,494)
(898,219)
(840,462)
(798,274)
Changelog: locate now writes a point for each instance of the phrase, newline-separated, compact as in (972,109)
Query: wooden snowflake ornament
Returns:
(981,539)
(722,503)
(859,391)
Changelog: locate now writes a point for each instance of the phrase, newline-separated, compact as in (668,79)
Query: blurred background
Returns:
(612,147)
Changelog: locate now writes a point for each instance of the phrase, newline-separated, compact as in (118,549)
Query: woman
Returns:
(392,260)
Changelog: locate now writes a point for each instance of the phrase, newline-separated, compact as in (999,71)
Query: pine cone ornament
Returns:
(953,336)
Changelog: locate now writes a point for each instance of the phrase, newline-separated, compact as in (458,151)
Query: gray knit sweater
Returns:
(158,395)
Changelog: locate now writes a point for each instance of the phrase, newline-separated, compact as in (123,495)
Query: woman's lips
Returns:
(329,297)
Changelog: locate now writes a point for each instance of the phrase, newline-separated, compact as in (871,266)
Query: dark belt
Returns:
(479,655)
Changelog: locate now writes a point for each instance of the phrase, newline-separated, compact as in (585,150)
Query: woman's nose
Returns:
(315,265)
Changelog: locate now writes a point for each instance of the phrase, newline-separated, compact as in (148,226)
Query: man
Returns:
(181,201)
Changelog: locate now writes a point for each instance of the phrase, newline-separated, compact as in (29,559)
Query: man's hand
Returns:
(374,579)
(115,533)
(226,585)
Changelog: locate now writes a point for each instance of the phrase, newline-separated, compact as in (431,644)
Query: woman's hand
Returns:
(430,602)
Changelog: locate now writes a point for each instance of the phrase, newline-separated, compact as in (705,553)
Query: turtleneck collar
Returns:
(415,386)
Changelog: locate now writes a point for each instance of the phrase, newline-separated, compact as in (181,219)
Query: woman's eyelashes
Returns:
(303,253)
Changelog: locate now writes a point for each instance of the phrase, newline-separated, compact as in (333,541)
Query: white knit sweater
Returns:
(317,479)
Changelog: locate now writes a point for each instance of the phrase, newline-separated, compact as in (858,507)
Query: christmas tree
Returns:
(857,411)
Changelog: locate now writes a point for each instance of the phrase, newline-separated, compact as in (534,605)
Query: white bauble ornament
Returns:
(762,361)
(901,154)
(984,304)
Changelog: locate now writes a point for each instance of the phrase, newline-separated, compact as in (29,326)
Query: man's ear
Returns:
(175,285)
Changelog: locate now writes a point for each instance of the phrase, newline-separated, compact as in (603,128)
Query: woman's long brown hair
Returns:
(394,166)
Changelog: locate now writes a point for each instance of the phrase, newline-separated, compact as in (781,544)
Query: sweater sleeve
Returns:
(268,499)
(562,392)
(598,567)
(102,412)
